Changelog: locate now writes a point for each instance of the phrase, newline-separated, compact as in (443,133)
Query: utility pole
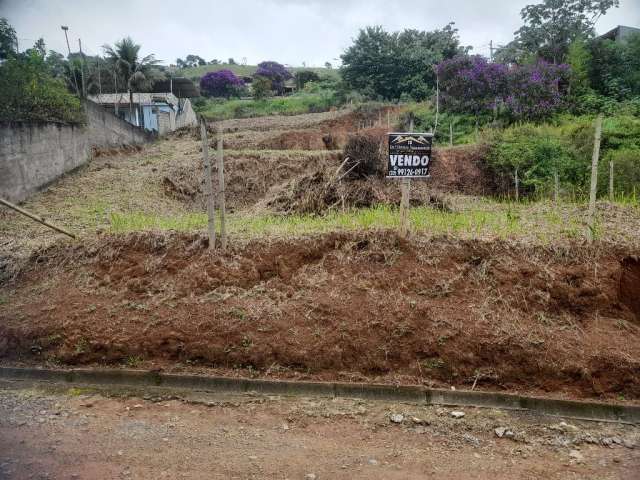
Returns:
(491,50)
(115,89)
(73,73)
(84,86)
(99,76)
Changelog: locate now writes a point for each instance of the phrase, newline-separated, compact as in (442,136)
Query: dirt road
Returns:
(92,435)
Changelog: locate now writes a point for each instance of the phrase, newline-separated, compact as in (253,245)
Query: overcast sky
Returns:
(288,31)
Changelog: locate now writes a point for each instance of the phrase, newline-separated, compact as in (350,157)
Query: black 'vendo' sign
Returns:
(409,154)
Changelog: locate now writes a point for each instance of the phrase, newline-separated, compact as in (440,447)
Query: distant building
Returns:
(620,33)
(156,112)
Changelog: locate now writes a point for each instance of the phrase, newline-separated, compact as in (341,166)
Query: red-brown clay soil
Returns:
(363,306)
(630,284)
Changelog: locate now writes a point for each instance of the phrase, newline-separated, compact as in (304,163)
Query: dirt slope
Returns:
(335,306)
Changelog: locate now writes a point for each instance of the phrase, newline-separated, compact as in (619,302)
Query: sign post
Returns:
(409,157)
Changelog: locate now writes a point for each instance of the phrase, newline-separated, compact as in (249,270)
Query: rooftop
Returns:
(621,32)
(139,98)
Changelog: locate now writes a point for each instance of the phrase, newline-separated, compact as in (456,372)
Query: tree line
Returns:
(554,63)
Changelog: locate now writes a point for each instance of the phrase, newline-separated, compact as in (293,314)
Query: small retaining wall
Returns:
(34,154)
(187,117)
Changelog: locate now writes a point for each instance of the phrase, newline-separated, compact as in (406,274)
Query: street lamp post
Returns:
(73,73)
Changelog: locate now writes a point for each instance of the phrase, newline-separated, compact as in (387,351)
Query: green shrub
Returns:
(28,92)
(592,103)
(198,103)
(566,146)
(322,101)
(464,126)
(537,152)
(626,172)
(261,87)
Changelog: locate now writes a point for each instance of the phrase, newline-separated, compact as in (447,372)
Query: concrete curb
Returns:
(414,394)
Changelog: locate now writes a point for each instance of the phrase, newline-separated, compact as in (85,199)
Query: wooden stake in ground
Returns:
(611,181)
(404,207)
(594,178)
(211,206)
(450,134)
(404,200)
(223,224)
(36,218)
(517,186)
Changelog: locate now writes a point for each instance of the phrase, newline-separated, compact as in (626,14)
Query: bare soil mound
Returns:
(364,306)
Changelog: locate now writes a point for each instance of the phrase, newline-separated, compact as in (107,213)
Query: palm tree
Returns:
(137,73)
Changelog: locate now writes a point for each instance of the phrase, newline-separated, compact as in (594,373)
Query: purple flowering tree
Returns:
(275,72)
(223,83)
(470,84)
(536,91)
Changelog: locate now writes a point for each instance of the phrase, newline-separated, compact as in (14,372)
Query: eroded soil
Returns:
(361,306)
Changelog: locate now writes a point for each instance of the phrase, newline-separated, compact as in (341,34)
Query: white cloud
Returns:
(289,31)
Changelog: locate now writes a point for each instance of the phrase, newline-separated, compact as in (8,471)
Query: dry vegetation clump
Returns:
(250,176)
(112,152)
(365,156)
(359,181)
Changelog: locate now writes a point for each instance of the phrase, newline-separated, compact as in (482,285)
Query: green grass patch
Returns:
(136,221)
(423,219)
(300,103)
(541,222)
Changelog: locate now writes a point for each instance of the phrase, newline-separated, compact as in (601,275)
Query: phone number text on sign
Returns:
(409,155)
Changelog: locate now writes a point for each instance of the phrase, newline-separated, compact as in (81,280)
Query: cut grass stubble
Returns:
(423,219)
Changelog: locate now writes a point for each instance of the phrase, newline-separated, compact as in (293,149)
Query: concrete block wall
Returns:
(187,117)
(34,154)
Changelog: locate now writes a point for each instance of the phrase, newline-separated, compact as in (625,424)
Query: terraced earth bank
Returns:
(356,306)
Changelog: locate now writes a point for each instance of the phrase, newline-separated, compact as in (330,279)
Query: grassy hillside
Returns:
(247,70)
(290,105)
